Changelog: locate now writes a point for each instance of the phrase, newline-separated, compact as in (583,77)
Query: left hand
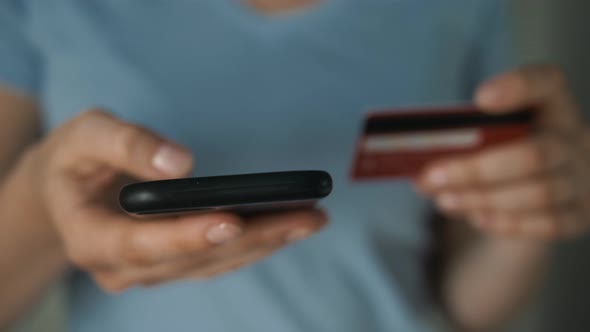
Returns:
(537,188)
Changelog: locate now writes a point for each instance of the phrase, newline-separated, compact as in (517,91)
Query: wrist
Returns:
(21,199)
(517,244)
(517,248)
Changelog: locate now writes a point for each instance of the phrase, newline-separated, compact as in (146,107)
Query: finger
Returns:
(262,232)
(542,86)
(535,195)
(99,137)
(199,269)
(110,240)
(190,267)
(263,237)
(506,163)
(290,226)
(271,231)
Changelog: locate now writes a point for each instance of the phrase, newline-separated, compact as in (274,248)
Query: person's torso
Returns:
(249,93)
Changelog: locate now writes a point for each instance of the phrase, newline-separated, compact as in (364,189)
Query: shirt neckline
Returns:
(274,26)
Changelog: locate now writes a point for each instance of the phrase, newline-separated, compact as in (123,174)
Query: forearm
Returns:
(30,254)
(492,279)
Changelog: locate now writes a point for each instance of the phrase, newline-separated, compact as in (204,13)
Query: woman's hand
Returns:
(74,173)
(537,188)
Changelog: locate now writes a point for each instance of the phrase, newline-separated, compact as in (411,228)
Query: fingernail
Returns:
(172,160)
(448,201)
(298,235)
(437,177)
(223,233)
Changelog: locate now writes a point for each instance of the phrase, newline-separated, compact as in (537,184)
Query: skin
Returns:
(513,201)
(70,218)
(536,188)
(66,179)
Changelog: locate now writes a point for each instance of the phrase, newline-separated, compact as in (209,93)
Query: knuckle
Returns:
(79,258)
(83,120)
(126,137)
(134,252)
(78,127)
(60,155)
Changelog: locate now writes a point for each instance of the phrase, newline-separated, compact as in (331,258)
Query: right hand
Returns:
(75,171)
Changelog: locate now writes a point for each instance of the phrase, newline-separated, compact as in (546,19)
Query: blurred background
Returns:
(557,31)
(547,31)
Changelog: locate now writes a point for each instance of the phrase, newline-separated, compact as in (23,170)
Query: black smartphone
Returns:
(244,194)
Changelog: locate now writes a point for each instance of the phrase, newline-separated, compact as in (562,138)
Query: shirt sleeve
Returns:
(493,49)
(19,59)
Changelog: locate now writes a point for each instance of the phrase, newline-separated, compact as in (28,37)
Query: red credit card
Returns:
(400,143)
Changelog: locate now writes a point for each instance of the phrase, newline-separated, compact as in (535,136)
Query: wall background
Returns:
(556,31)
(548,31)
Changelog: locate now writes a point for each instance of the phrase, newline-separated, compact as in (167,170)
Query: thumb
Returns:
(99,137)
(542,87)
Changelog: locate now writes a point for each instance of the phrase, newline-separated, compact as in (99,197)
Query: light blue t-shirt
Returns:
(249,93)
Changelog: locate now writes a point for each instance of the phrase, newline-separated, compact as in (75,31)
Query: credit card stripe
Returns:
(451,139)
(391,122)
